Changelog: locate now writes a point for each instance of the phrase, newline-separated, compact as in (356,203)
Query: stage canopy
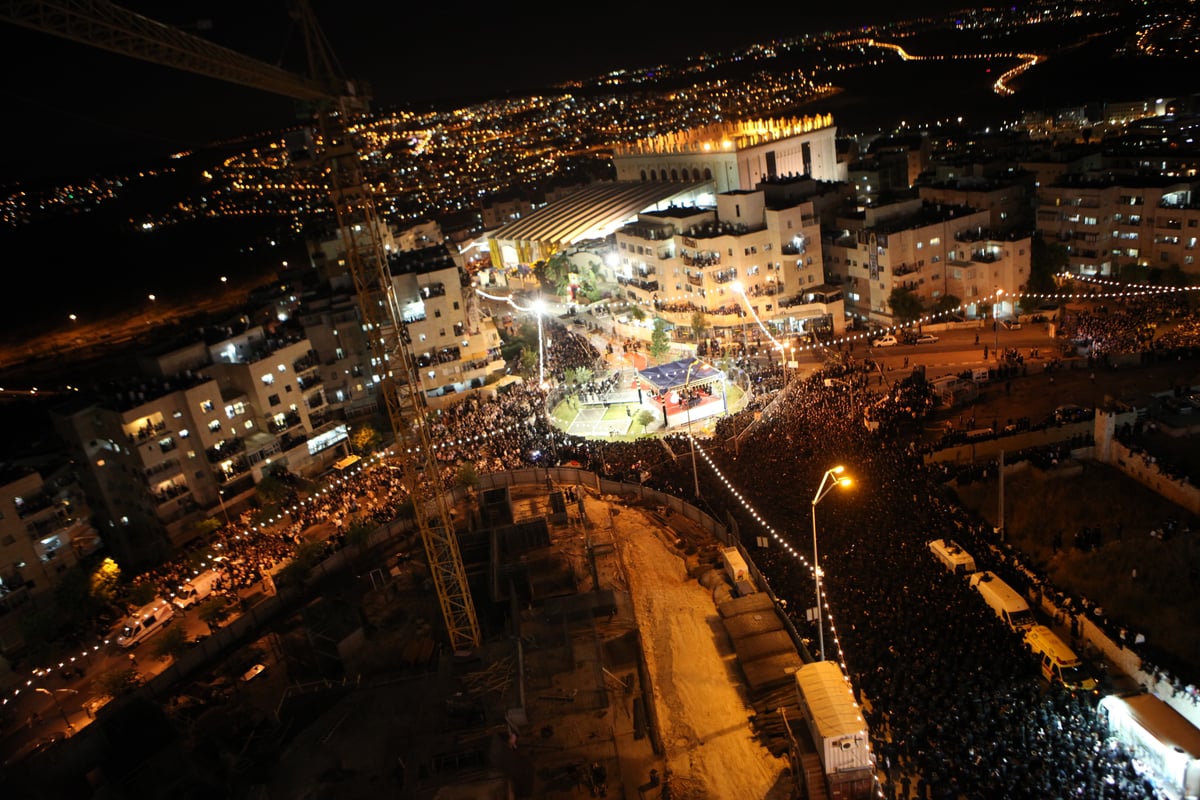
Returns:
(674,374)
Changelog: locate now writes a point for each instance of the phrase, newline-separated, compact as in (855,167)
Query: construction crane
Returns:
(338,106)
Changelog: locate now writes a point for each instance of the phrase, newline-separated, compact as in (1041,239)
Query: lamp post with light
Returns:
(828,481)
(996,323)
(687,382)
(221,500)
(54,696)
(539,307)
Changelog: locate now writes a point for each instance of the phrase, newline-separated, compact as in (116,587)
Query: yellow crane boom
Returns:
(99,23)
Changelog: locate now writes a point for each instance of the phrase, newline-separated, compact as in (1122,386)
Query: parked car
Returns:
(927,338)
(886,341)
(1011,324)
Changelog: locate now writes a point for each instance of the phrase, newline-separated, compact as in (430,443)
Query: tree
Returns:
(365,439)
(637,313)
(117,681)
(644,418)
(699,324)
(906,306)
(171,643)
(529,362)
(579,375)
(271,491)
(142,594)
(1046,259)
(946,303)
(467,475)
(214,609)
(660,343)
(105,580)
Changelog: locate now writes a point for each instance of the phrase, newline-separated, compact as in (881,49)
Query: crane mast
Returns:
(102,24)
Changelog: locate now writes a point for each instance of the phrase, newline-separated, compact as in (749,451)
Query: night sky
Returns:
(73,108)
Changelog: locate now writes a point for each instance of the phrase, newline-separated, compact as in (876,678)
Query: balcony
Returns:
(309,382)
(283,422)
(433,290)
(225,449)
(702,260)
(639,283)
(307,361)
(31,504)
(145,432)
(172,492)
(765,290)
(727,276)
(696,279)
(293,440)
(443,356)
(157,469)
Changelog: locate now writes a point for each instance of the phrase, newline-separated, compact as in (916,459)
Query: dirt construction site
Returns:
(618,676)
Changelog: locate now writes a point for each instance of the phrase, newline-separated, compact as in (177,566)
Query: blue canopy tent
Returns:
(682,390)
(674,374)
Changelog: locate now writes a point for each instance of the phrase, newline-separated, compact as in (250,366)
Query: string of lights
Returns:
(784,543)
(1131,291)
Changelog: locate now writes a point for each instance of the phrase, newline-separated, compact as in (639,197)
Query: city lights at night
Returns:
(439,413)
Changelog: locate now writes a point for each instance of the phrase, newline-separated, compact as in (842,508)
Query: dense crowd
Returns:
(955,701)
(1131,327)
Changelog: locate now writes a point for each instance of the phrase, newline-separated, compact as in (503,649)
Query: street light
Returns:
(829,481)
(54,697)
(539,306)
(996,323)
(221,499)
(687,380)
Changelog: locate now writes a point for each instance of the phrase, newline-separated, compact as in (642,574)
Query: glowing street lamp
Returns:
(539,308)
(828,481)
(687,381)
(996,322)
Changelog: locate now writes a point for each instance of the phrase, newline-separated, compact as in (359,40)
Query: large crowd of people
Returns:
(955,702)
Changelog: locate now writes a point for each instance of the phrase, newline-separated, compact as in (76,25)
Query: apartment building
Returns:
(157,455)
(763,243)
(457,347)
(1008,199)
(44,530)
(141,462)
(1110,221)
(933,250)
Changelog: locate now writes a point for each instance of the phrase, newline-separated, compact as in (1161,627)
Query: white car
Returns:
(927,338)
(886,341)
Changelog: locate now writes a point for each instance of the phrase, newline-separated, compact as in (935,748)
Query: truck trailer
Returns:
(1166,745)
(839,731)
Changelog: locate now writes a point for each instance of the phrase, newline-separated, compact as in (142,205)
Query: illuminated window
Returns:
(268,378)
(282,368)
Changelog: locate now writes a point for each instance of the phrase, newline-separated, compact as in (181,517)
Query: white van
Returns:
(145,622)
(1003,599)
(957,560)
(1059,662)
(196,589)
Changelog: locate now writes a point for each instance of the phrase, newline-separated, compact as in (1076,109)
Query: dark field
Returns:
(1162,602)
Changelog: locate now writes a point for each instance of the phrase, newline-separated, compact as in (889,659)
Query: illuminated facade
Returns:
(44,529)
(930,249)
(456,346)
(1109,222)
(735,155)
(688,259)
